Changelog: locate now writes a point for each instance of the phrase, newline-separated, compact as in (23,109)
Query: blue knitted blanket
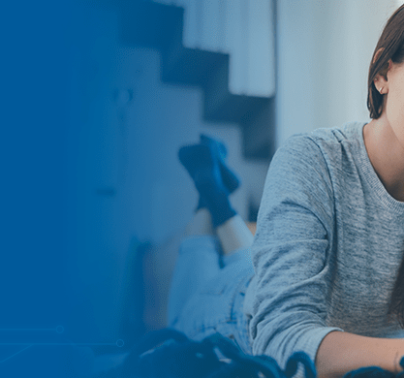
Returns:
(168,353)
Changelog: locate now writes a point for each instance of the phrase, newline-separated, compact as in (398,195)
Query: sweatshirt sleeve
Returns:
(286,300)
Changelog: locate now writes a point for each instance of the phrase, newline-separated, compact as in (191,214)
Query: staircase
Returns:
(160,26)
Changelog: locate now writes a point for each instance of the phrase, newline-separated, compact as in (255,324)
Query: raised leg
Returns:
(199,260)
(234,235)
(201,224)
(214,182)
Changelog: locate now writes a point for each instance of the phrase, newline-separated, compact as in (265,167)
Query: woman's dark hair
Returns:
(391,44)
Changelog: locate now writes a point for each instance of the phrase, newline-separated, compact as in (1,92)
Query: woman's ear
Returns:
(381,84)
(380,81)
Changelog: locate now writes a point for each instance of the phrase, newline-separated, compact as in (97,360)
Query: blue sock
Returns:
(203,168)
(230,179)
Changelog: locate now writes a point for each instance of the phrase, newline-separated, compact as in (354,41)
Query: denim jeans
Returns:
(207,292)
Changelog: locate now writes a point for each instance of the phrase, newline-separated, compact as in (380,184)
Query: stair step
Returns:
(149,24)
(190,66)
(155,25)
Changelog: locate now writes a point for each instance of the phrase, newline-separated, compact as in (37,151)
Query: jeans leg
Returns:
(242,256)
(198,262)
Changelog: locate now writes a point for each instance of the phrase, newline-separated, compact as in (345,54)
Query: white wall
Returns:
(324,51)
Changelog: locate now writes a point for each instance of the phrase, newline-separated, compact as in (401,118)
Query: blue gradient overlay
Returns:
(88,184)
(45,319)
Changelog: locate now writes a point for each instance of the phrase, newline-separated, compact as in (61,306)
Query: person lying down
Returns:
(324,273)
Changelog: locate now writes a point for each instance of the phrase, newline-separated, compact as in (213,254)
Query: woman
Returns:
(329,242)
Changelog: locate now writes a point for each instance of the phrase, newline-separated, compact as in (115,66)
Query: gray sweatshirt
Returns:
(328,247)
